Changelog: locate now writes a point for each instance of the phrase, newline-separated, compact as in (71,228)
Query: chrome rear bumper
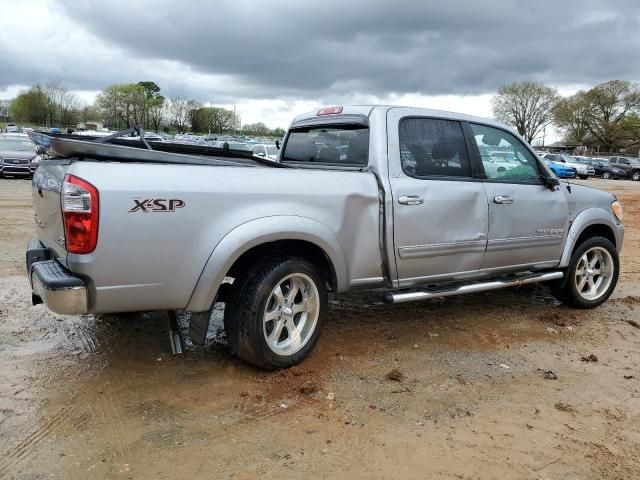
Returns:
(54,285)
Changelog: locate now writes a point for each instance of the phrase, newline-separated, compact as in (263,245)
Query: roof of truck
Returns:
(365,110)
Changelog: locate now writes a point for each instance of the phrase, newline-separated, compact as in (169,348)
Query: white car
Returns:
(266,151)
(582,170)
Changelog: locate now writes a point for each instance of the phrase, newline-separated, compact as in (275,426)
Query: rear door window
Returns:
(339,145)
(431,147)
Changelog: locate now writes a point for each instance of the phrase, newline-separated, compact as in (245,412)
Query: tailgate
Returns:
(47,184)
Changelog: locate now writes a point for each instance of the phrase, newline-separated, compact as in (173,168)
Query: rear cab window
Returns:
(333,145)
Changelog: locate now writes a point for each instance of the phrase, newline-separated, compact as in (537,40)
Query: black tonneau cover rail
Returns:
(111,148)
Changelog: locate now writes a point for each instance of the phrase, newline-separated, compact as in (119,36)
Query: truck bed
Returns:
(152,260)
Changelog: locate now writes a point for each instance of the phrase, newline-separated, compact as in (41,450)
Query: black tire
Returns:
(635,176)
(583,177)
(245,310)
(566,289)
(606,175)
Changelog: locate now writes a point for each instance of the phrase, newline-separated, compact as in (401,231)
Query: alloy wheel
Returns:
(291,314)
(594,273)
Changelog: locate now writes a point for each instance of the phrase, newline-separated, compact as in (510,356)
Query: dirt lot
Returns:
(102,397)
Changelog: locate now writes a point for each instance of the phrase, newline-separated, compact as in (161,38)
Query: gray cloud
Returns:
(339,48)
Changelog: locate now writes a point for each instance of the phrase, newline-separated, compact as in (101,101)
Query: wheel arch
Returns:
(305,237)
(589,223)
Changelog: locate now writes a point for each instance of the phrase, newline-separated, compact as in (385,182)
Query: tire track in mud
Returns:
(109,407)
(247,411)
(28,446)
(15,297)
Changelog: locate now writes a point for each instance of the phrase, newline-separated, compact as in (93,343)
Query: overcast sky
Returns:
(274,59)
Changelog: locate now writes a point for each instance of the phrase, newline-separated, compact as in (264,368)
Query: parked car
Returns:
(583,171)
(561,170)
(603,168)
(18,156)
(265,150)
(12,128)
(630,165)
(411,209)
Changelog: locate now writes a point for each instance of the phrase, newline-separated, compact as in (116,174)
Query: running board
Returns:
(512,281)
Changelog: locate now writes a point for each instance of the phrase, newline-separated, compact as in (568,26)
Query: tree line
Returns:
(124,106)
(606,117)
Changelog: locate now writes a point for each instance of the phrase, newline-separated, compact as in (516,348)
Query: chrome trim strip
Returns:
(366,282)
(470,288)
(523,242)
(439,249)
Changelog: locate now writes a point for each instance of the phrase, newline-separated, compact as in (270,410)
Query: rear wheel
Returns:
(635,176)
(591,276)
(276,314)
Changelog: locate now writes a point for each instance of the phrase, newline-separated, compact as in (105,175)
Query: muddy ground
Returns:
(102,397)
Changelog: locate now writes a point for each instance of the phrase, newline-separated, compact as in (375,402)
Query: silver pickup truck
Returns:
(405,200)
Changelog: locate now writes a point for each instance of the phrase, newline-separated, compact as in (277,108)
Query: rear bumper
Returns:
(52,284)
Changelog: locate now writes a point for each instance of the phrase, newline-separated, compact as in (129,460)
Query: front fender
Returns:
(586,218)
(259,231)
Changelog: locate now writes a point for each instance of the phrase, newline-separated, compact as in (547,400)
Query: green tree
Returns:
(572,115)
(30,106)
(258,128)
(610,105)
(528,106)
(154,101)
(122,106)
(212,119)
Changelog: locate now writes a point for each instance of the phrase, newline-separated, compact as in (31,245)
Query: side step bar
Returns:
(512,281)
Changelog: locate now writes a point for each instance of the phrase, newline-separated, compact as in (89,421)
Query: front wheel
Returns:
(277,313)
(635,176)
(606,175)
(591,276)
(583,177)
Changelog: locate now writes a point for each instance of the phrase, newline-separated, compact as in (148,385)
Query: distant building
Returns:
(96,126)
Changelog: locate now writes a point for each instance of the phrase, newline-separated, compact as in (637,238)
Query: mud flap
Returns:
(198,327)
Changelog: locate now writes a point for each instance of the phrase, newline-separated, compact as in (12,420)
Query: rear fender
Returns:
(257,232)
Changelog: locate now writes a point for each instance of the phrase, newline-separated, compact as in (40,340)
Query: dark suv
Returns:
(629,165)
(603,168)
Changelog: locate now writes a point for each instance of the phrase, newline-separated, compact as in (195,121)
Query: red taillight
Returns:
(80,212)
(330,111)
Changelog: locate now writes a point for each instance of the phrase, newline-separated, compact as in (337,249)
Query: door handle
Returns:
(503,199)
(410,200)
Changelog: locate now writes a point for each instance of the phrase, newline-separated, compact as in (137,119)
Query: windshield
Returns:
(346,145)
(17,146)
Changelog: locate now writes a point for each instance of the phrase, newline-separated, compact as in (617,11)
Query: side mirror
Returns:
(550,182)
(261,154)
(278,144)
(41,150)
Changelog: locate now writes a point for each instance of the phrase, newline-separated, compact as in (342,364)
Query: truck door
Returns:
(527,221)
(440,210)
